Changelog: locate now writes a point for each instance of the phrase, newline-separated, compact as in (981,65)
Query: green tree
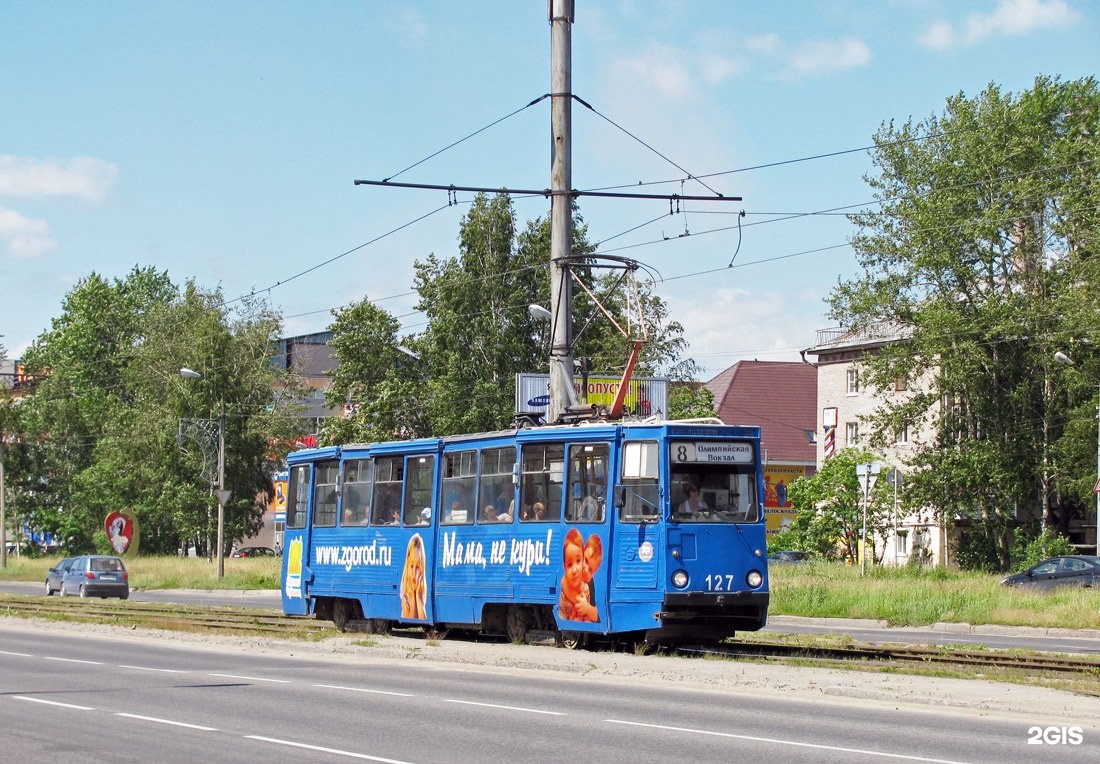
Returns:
(100,427)
(479,333)
(979,251)
(830,510)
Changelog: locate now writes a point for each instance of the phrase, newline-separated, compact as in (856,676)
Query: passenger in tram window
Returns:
(506,517)
(489,514)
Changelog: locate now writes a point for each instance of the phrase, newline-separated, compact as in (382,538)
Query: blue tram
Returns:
(649,531)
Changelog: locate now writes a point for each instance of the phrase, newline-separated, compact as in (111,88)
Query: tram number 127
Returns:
(720,583)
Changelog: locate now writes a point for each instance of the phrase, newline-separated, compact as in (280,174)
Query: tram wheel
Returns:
(340,614)
(573,640)
(517,624)
(376,626)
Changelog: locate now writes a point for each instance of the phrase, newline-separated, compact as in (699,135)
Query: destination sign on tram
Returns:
(711,452)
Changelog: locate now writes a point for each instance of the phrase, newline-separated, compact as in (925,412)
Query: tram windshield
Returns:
(711,482)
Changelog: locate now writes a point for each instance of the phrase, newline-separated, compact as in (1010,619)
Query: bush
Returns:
(1047,544)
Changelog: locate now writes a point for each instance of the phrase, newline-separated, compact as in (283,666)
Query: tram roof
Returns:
(675,428)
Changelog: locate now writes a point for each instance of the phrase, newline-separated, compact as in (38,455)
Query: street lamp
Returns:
(223,495)
(1062,358)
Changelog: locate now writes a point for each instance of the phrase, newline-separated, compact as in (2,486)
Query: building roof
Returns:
(778,396)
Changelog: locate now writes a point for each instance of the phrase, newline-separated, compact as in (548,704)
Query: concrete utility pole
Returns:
(562,392)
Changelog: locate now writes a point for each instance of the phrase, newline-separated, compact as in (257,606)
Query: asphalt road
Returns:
(79,696)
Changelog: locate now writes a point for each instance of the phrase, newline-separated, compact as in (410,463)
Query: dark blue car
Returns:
(1071,570)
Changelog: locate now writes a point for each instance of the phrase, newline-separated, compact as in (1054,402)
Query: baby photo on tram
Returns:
(582,559)
(414,587)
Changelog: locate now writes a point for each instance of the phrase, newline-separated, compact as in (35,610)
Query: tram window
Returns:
(297,507)
(357,486)
(419,474)
(640,459)
(496,489)
(389,472)
(709,492)
(459,484)
(587,482)
(324,495)
(543,469)
(640,486)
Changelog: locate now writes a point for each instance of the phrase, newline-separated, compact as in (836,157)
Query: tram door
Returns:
(583,587)
(419,522)
(296,542)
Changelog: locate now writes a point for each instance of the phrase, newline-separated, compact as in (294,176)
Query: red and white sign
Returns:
(830,441)
(120,531)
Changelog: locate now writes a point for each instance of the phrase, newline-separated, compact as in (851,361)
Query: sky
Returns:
(220,142)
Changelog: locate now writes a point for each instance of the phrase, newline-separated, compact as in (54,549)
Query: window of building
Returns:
(901,435)
(853,381)
(851,430)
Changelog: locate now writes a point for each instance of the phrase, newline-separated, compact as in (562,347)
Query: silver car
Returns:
(96,575)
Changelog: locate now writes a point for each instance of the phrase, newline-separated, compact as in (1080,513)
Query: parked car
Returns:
(786,555)
(254,551)
(96,575)
(53,575)
(1071,570)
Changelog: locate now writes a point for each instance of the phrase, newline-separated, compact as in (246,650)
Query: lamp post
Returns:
(223,495)
(1062,358)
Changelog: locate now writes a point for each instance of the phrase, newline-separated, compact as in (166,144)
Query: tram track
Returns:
(249,621)
(1048,663)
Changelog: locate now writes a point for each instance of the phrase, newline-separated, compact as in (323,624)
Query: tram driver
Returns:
(694,502)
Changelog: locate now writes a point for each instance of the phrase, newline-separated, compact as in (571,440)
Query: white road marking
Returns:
(364,689)
(505,708)
(168,721)
(74,660)
(792,743)
(150,668)
(53,703)
(21,655)
(251,678)
(336,751)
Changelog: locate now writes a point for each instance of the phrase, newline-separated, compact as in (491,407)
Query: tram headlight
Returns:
(680,579)
(754,579)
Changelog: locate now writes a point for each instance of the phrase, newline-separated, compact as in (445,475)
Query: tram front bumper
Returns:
(742,611)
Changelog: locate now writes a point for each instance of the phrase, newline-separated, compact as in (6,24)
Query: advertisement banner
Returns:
(778,512)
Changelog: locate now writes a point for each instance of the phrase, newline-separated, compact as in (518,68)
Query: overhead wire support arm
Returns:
(547,192)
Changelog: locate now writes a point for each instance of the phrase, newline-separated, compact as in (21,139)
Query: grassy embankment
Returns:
(820,590)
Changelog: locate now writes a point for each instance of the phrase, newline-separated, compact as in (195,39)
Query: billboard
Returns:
(646,396)
(778,511)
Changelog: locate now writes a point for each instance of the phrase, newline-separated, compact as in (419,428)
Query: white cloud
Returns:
(83,177)
(409,24)
(1010,17)
(24,237)
(820,56)
(662,68)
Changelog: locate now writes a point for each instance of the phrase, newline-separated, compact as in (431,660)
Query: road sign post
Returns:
(867,473)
